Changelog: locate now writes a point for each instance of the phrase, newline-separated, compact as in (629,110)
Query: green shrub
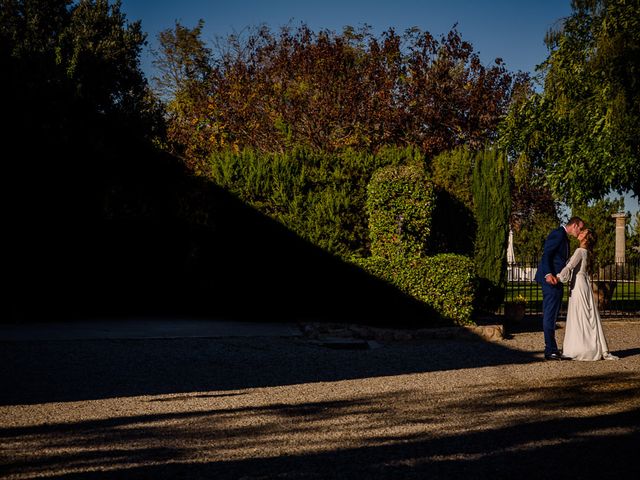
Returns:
(400,202)
(444,282)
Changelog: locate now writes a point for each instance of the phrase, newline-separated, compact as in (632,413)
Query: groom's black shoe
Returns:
(553,356)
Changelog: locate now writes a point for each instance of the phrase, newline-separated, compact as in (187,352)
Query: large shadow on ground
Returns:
(523,436)
(55,371)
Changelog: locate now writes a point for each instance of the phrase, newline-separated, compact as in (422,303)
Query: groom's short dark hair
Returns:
(575,220)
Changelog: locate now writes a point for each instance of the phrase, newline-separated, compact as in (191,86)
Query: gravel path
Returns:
(290,407)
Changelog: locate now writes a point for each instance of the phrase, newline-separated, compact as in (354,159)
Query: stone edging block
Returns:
(316,330)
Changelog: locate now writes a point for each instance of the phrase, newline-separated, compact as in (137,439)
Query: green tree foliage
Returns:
(73,73)
(598,217)
(272,91)
(534,213)
(76,90)
(534,209)
(99,54)
(528,240)
(584,127)
(183,63)
(68,61)
(400,203)
(491,205)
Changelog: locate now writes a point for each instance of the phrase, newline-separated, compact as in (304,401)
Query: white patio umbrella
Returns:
(511,256)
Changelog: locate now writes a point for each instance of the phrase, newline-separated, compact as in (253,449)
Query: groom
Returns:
(555,254)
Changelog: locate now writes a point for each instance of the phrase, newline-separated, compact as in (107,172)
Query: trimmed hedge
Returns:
(400,203)
(320,196)
(325,199)
(454,224)
(445,282)
(452,170)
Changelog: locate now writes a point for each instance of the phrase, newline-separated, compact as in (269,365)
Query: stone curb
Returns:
(318,331)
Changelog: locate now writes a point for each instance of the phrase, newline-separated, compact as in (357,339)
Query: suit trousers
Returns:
(551,302)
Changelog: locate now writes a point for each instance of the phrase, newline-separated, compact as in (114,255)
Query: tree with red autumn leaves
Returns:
(330,91)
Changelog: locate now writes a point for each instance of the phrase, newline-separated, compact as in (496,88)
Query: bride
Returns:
(584,338)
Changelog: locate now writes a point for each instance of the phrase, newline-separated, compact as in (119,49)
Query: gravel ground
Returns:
(252,408)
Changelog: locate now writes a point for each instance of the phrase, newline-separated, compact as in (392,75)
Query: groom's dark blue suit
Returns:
(554,257)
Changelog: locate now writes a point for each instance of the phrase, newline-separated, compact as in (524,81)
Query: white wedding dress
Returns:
(583,338)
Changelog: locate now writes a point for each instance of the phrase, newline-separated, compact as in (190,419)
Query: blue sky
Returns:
(513,30)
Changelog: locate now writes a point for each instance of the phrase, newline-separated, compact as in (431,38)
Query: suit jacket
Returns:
(554,254)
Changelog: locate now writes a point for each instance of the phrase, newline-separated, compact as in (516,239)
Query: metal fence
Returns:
(616,288)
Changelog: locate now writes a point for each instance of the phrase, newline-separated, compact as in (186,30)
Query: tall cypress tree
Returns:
(491,204)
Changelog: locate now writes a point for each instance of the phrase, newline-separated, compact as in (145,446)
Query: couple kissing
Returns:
(584,338)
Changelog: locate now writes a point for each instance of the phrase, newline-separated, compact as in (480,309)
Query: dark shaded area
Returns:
(55,371)
(453,228)
(601,456)
(576,446)
(530,323)
(102,223)
(627,353)
(145,237)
